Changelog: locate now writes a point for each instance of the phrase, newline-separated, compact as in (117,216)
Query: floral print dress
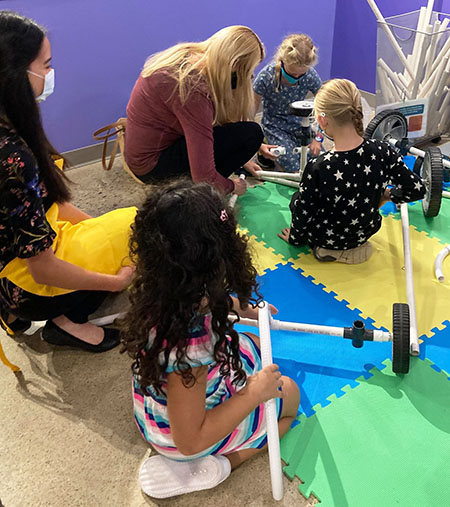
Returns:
(24,229)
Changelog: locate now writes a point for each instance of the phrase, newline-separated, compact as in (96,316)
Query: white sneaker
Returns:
(161,477)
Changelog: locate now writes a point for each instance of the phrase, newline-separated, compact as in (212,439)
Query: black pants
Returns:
(234,145)
(76,306)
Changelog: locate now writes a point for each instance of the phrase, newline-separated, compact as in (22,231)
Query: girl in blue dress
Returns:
(288,78)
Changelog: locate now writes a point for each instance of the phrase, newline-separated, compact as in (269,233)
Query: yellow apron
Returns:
(97,244)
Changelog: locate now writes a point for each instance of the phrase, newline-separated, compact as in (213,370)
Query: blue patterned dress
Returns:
(279,126)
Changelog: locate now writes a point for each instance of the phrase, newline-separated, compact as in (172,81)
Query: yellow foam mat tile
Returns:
(264,257)
(373,286)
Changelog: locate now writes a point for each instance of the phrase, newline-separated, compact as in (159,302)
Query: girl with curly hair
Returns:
(198,384)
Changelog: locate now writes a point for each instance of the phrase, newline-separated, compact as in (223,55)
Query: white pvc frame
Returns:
(273,436)
(265,324)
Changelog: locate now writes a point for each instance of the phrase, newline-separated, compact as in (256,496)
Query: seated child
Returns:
(198,385)
(285,80)
(335,210)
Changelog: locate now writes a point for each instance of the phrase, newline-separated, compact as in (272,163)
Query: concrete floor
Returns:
(67,434)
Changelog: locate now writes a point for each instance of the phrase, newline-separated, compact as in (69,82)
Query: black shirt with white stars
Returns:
(336,206)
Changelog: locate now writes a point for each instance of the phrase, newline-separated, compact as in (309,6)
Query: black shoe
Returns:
(265,163)
(56,336)
(14,327)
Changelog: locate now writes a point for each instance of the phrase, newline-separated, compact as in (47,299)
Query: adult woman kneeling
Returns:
(56,263)
(189,108)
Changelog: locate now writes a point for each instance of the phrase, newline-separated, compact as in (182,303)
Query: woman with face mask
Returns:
(56,263)
(189,109)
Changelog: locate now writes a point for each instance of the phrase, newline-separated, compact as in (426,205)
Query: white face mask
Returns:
(49,84)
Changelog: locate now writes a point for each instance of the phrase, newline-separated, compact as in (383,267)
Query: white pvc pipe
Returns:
(280,325)
(275,174)
(419,153)
(392,75)
(386,92)
(234,197)
(446,194)
(107,319)
(424,43)
(438,263)
(391,38)
(281,181)
(414,339)
(273,437)
(432,50)
(442,54)
(278,151)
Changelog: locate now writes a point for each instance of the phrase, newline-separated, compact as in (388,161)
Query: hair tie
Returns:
(224,215)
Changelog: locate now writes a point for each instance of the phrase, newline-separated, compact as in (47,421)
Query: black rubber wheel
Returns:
(432,172)
(418,165)
(302,108)
(400,338)
(387,124)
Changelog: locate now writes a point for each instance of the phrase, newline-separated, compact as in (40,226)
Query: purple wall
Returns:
(99,47)
(355,37)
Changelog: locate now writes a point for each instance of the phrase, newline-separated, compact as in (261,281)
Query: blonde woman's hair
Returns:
(340,100)
(232,49)
(296,49)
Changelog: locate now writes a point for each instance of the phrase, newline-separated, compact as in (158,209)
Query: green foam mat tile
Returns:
(264,211)
(437,227)
(384,443)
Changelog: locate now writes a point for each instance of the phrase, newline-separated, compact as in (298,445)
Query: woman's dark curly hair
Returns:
(187,252)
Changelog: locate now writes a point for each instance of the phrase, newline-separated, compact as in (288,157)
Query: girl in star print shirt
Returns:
(335,210)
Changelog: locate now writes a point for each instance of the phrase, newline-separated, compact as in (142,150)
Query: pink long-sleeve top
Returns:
(157,118)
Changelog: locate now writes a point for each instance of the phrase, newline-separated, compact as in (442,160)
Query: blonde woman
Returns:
(288,78)
(335,210)
(189,111)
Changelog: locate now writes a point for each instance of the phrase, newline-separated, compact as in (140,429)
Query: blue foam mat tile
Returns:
(437,349)
(321,365)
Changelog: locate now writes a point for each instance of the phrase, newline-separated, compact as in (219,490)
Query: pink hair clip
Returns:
(224,215)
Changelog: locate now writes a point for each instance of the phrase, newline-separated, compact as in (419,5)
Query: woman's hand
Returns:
(240,186)
(265,384)
(265,151)
(125,277)
(252,313)
(284,234)
(252,167)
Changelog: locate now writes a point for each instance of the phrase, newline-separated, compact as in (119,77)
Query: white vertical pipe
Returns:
(425,41)
(425,90)
(414,340)
(435,95)
(442,30)
(233,198)
(418,39)
(391,38)
(273,437)
(432,50)
(442,54)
